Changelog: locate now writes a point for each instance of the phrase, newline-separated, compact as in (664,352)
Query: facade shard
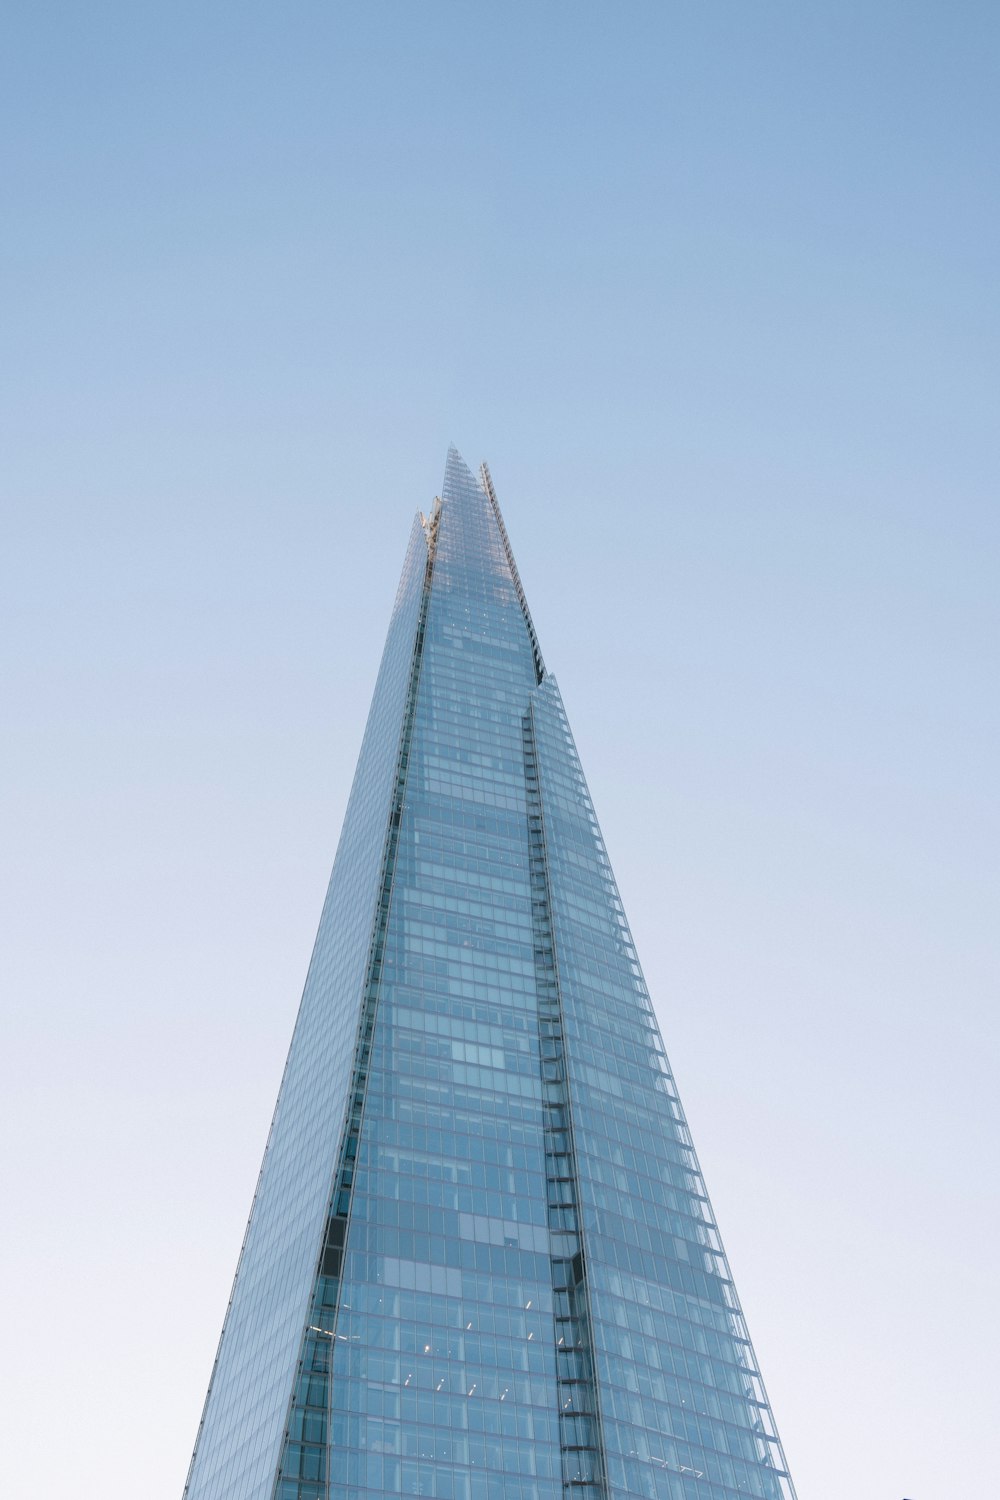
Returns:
(480,1261)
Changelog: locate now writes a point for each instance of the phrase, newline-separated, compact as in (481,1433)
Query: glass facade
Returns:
(480,1263)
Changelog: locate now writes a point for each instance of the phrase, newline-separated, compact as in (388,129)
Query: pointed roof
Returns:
(457,474)
(459,480)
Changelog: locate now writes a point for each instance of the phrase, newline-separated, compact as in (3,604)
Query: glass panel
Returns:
(683,1408)
(481,1263)
(247,1404)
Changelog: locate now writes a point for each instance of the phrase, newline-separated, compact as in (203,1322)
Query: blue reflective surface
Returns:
(443,1367)
(481,1260)
(247,1405)
(683,1409)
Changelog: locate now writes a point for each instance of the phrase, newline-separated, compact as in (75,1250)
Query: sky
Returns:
(713,288)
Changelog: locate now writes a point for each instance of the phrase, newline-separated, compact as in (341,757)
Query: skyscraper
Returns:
(480,1263)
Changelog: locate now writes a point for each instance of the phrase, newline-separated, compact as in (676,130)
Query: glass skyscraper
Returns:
(481,1263)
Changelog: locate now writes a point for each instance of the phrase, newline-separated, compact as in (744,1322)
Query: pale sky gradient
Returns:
(713,286)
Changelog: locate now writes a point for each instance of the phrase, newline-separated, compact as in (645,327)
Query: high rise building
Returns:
(481,1263)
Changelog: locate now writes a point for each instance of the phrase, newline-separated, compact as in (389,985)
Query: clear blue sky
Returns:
(714,288)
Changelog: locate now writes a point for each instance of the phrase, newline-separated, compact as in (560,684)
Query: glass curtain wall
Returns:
(481,1263)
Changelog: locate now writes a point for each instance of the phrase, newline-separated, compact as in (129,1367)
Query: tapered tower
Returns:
(481,1263)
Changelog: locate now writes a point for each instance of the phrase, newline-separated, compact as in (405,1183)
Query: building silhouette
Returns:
(480,1263)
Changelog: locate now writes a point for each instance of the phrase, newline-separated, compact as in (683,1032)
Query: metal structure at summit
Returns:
(481,1263)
